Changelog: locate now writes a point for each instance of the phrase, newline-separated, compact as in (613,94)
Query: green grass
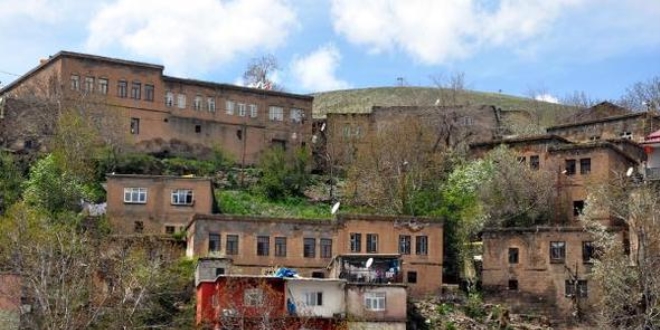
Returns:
(362,100)
(241,202)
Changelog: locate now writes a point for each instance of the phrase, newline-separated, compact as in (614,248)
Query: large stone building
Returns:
(135,103)
(410,248)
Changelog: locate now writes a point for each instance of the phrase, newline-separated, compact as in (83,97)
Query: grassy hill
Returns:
(362,100)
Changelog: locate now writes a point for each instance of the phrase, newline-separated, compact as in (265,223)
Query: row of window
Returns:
(254,297)
(139,196)
(571,287)
(534,161)
(405,244)
(101,85)
(558,252)
(263,247)
(571,166)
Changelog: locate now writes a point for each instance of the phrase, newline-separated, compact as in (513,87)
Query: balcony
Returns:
(368,268)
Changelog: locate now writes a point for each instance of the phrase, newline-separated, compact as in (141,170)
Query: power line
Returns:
(9,73)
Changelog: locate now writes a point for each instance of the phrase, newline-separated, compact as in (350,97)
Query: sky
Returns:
(546,48)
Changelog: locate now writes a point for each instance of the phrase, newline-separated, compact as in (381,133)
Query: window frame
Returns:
(296,115)
(103,84)
(309,247)
(514,255)
(242,109)
(254,111)
(169,99)
(75,82)
(421,245)
(355,242)
(375,301)
(187,194)
(232,244)
(325,247)
(139,192)
(585,162)
(217,246)
(89,84)
(557,252)
(181,101)
(197,103)
(372,243)
(135,126)
(263,246)
(149,92)
(210,104)
(313,298)
(229,107)
(136,90)
(275,113)
(280,246)
(570,167)
(122,88)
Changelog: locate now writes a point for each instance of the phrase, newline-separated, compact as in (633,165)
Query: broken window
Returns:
(578,208)
(214,242)
(589,252)
(570,167)
(557,251)
(578,287)
(404,244)
(513,255)
(135,126)
(356,242)
(534,162)
(513,284)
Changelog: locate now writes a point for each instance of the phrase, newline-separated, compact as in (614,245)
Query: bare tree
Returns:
(451,90)
(259,73)
(579,100)
(643,95)
(628,271)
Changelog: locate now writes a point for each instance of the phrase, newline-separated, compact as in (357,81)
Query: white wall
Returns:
(333,296)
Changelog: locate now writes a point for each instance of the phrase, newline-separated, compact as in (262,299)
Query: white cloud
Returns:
(436,32)
(316,71)
(192,38)
(546,98)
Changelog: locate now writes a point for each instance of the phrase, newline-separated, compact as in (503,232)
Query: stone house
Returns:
(154,204)
(135,104)
(258,245)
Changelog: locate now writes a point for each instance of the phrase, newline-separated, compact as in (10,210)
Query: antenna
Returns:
(335,208)
(322,127)
(437,102)
(629,172)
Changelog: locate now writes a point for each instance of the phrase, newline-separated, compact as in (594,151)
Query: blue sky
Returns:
(548,47)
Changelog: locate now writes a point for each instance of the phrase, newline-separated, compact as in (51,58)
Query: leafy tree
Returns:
(284,174)
(10,181)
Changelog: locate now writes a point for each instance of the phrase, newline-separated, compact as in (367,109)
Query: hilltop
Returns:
(363,99)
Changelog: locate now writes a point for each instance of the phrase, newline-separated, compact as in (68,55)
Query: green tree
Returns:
(284,174)
(52,189)
(11,179)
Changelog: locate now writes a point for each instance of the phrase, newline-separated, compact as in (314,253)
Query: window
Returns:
(422,245)
(182,197)
(241,109)
(229,107)
(372,243)
(149,93)
(253,297)
(232,244)
(412,277)
(89,84)
(198,128)
(198,103)
(534,162)
(181,101)
(263,245)
(374,301)
(578,207)
(170,230)
(219,271)
(253,110)
(210,104)
(278,144)
(75,82)
(122,88)
(313,298)
(557,251)
(135,195)
(297,116)
(570,167)
(276,113)
(214,242)
(309,247)
(627,135)
(326,248)
(280,246)
(103,86)
(404,244)
(135,126)
(136,90)
(169,99)
(356,242)
(580,286)
(513,285)
(589,252)
(585,165)
(513,255)
(318,275)
(138,226)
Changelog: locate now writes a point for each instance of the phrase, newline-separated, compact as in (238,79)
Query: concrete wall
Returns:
(395,306)
(332,294)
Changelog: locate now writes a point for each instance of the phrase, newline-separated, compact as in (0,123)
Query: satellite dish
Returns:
(370,261)
(437,102)
(335,208)
(322,127)
(629,172)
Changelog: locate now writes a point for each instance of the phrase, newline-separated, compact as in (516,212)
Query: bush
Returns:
(474,306)
(284,174)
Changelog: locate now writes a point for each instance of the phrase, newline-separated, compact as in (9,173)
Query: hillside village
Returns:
(132,199)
